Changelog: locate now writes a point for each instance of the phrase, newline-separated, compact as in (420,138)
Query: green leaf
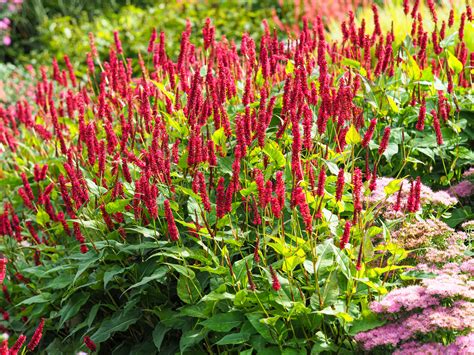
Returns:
(332,167)
(42,217)
(236,338)
(354,64)
(60,282)
(290,67)
(261,328)
(162,88)
(322,345)
(218,137)
(190,338)
(41,298)
(117,205)
(159,334)
(426,151)
(224,322)
(460,215)
(94,188)
(273,150)
(391,150)
(119,322)
(189,290)
(367,323)
(91,260)
(352,136)
(158,275)
(393,105)
(113,271)
(203,71)
(72,307)
(454,63)
(92,314)
(393,187)
(183,270)
(449,41)
(412,68)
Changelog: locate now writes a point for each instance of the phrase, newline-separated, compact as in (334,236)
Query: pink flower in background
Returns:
(10,7)
(420,310)
(463,189)
(407,299)
(468,172)
(427,196)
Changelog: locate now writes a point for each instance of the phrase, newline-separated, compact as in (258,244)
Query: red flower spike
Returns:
(36,336)
(406,6)
(417,195)
(461,26)
(3,269)
(172,229)
(321,182)
(275,282)
(70,69)
(90,344)
(385,139)
(151,43)
(420,125)
(356,193)
(437,127)
(17,346)
(431,6)
(373,179)
(340,184)
(256,255)
(118,43)
(359,259)
(370,132)
(397,205)
(95,54)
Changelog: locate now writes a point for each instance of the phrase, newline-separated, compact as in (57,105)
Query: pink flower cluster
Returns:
(8,6)
(427,196)
(419,310)
(426,295)
(451,249)
(459,317)
(418,234)
(464,189)
(462,346)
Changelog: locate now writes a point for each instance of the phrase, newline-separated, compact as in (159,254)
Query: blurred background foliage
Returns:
(46,28)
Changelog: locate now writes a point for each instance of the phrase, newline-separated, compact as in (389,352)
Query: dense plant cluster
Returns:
(243,197)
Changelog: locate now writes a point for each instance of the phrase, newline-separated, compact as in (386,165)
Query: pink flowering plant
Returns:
(225,199)
(436,315)
(7,9)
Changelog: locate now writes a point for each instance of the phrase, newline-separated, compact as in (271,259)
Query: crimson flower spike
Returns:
(384,142)
(340,184)
(172,229)
(90,344)
(397,206)
(275,282)
(345,236)
(3,268)
(36,336)
(18,344)
(437,127)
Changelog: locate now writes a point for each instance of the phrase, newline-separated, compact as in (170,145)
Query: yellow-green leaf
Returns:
(352,136)
(454,63)
(290,67)
(392,187)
